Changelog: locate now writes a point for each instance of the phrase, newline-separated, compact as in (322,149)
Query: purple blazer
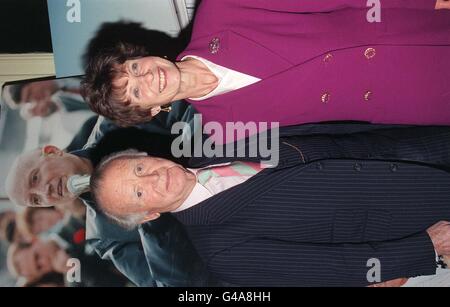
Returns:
(323,61)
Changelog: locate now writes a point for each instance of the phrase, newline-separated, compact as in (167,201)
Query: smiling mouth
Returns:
(162,79)
(60,187)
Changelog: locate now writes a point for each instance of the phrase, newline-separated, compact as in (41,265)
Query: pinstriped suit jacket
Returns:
(333,203)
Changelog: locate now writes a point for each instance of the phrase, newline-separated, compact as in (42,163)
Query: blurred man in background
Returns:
(38,99)
(55,102)
(32,261)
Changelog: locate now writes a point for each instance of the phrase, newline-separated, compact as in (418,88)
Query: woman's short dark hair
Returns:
(102,95)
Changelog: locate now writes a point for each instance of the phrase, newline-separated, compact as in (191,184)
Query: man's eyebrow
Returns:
(135,163)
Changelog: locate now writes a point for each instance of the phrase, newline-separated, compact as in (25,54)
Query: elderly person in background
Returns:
(50,100)
(54,102)
(288,62)
(39,178)
(36,98)
(32,261)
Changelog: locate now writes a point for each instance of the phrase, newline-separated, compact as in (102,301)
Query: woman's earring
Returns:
(165,57)
(166,109)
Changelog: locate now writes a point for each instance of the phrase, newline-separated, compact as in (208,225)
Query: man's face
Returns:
(144,184)
(38,178)
(35,97)
(35,261)
(149,81)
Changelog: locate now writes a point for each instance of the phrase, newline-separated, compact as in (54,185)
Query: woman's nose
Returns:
(147,78)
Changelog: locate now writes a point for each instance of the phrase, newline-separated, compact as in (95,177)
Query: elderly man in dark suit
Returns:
(331,205)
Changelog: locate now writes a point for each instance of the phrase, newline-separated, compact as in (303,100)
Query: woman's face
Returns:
(149,81)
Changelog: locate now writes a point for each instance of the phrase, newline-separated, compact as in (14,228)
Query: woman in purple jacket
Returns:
(292,62)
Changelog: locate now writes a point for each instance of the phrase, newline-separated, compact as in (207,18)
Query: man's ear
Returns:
(151,217)
(51,150)
(155,111)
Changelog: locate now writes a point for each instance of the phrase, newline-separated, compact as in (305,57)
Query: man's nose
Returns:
(152,177)
(49,190)
(43,190)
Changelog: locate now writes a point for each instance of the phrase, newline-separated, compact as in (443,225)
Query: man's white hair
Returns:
(15,177)
(120,154)
(127,221)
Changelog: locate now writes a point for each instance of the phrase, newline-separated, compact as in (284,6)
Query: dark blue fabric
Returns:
(331,204)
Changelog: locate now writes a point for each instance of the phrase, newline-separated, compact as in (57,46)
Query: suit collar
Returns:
(219,208)
(198,195)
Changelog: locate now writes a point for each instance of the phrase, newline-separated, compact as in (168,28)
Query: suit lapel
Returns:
(219,208)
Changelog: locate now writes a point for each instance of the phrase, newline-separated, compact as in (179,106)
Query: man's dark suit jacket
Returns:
(159,252)
(332,204)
